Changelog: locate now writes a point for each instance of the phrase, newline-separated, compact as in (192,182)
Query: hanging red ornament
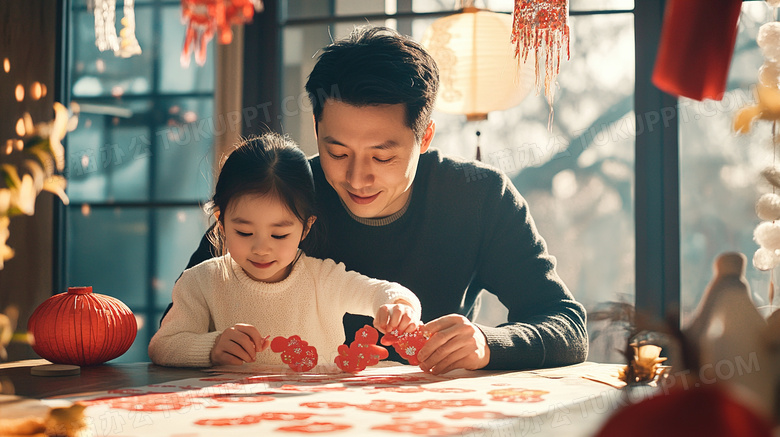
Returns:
(542,26)
(206,18)
(697,42)
(82,328)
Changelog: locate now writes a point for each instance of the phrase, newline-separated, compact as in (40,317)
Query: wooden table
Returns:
(145,399)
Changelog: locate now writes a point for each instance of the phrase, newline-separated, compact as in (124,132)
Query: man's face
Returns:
(369,155)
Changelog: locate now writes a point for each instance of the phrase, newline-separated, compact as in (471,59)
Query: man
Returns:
(391,208)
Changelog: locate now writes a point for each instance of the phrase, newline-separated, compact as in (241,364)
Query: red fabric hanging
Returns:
(697,42)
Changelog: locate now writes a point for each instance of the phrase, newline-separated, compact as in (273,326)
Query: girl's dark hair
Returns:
(374,66)
(269,164)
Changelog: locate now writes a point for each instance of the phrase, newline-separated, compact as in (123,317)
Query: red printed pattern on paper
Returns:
(427,427)
(252,419)
(315,427)
(519,395)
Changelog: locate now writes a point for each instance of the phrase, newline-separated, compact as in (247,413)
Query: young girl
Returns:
(226,310)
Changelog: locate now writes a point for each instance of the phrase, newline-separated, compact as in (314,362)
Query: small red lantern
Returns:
(82,328)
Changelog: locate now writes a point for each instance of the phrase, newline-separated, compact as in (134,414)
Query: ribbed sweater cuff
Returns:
(199,351)
(518,347)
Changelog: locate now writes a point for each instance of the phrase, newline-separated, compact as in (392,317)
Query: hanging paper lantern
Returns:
(477,69)
(206,18)
(82,328)
(542,26)
(697,41)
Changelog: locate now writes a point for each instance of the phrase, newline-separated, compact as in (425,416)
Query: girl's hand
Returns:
(238,345)
(399,315)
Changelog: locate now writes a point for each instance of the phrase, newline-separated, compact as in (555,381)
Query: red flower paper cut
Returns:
(296,353)
(520,395)
(315,427)
(407,344)
(362,352)
(427,427)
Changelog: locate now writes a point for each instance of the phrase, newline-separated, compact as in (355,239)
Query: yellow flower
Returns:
(23,197)
(56,184)
(5,201)
(6,252)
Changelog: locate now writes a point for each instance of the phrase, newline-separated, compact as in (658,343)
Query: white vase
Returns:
(728,332)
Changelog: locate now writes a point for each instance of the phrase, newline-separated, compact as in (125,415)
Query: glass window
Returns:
(720,179)
(93,259)
(178,231)
(97,73)
(175,78)
(139,165)
(183,149)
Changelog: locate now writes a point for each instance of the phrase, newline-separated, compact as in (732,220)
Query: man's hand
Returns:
(238,345)
(455,343)
(399,315)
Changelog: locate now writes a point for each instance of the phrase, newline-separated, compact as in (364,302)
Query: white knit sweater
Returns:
(309,303)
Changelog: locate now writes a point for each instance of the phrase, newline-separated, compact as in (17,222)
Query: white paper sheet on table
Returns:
(378,401)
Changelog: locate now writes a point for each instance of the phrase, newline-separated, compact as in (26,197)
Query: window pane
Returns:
(183,154)
(107,249)
(578,179)
(358,7)
(178,234)
(720,178)
(295,9)
(174,77)
(138,350)
(109,157)
(299,43)
(97,73)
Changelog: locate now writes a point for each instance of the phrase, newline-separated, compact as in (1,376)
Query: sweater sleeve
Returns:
(547,326)
(184,339)
(359,294)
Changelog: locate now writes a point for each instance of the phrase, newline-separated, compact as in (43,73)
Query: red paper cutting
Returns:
(362,352)
(296,353)
(407,344)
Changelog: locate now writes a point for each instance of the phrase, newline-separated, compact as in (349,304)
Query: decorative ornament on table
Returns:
(542,26)
(727,328)
(644,364)
(407,344)
(206,18)
(126,45)
(82,328)
(362,352)
(296,353)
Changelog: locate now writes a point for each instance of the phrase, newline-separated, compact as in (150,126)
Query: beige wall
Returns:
(27,39)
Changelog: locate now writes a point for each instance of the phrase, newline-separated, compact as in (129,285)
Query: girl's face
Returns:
(262,236)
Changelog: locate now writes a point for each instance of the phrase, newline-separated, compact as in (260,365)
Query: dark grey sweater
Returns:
(465,228)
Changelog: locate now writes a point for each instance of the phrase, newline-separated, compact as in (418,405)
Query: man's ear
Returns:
(427,136)
(307,228)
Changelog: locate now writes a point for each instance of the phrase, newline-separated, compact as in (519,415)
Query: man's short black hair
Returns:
(373,66)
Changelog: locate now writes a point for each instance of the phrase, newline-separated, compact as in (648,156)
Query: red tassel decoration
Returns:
(542,26)
(697,42)
(206,18)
